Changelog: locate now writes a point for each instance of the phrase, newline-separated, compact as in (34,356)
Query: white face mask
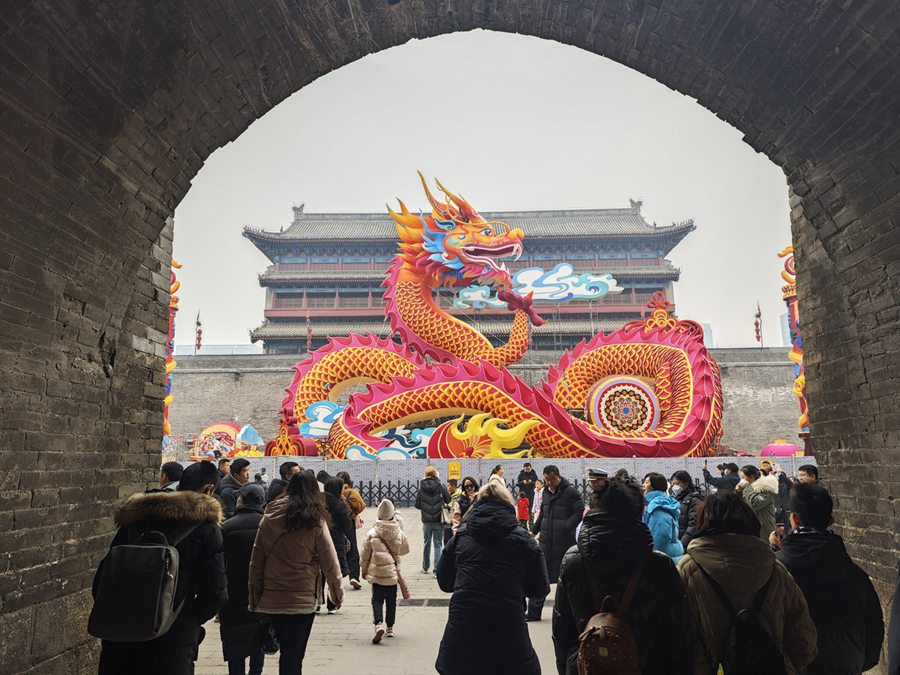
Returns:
(677,490)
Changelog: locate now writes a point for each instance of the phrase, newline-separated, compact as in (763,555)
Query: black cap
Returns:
(252,495)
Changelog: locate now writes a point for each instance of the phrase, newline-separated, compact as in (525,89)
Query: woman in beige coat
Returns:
(728,548)
(385,544)
(292,552)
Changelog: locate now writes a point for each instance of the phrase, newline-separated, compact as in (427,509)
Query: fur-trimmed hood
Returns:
(766,484)
(180,506)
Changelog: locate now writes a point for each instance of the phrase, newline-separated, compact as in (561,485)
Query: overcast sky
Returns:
(512,123)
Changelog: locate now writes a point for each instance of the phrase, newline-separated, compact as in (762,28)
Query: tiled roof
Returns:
(273,278)
(271,330)
(536,224)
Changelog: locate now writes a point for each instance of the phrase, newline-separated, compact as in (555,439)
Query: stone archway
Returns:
(108,111)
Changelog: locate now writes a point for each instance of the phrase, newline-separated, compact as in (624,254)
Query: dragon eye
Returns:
(487,232)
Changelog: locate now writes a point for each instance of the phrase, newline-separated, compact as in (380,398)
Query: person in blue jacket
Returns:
(661,516)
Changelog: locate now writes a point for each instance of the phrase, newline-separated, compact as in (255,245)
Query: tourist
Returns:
(538,499)
(523,511)
(728,479)
(497,475)
(454,491)
(689,498)
(467,496)
(431,499)
(341,527)
(242,631)
(169,475)
(759,492)
(286,471)
(560,513)
(258,480)
(385,544)
(238,475)
(614,546)
(264,476)
(355,505)
(292,549)
(201,578)
(525,482)
(597,479)
(727,548)
(224,464)
(842,602)
(661,516)
(807,473)
(490,566)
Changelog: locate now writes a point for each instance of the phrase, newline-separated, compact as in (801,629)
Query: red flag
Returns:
(757,323)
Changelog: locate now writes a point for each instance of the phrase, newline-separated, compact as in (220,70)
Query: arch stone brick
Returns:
(108,110)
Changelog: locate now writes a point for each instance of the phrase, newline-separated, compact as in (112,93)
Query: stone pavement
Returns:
(342,642)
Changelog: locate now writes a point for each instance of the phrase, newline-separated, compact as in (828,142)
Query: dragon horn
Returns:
(435,204)
(465,207)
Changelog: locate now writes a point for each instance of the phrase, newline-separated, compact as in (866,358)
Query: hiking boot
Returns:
(389,632)
(355,584)
(379,633)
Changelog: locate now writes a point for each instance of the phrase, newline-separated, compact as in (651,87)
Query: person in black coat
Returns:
(430,500)
(690,498)
(239,474)
(341,527)
(842,602)
(561,511)
(525,482)
(277,487)
(201,572)
(490,566)
(241,630)
(729,479)
(612,543)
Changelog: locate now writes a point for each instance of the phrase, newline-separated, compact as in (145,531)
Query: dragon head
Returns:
(454,245)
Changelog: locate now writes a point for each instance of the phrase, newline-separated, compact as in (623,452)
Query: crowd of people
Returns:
(656,574)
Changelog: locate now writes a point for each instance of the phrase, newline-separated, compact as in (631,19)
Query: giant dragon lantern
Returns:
(649,389)
(789,295)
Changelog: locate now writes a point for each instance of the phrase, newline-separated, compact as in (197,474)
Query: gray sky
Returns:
(511,122)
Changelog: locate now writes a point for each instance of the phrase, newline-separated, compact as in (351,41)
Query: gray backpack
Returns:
(134,594)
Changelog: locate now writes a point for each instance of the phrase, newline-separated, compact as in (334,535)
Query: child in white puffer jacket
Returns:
(385,544)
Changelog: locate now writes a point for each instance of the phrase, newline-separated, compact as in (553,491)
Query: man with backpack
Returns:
(620,606)
(163,578)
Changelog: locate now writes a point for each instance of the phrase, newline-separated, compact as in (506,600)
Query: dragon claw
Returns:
(515,302)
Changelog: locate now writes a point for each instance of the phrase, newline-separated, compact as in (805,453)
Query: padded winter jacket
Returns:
(341,529)
(842,602)
(609,549)
(431,498)
(228,494)
(687,521)
(201,575)
(661,515)
(760,495)
(241,630)
(377,563)
(490,566)
(559,516)
(725,483)
(286,564)
(742,564)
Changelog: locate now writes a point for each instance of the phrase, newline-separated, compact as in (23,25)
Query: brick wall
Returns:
(107,110)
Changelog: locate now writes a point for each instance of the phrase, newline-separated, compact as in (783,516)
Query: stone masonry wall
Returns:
(108,111)
(759,404)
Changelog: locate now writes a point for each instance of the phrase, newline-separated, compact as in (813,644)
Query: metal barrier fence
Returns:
(398,480)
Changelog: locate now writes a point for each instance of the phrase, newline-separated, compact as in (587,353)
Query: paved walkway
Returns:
(342,642)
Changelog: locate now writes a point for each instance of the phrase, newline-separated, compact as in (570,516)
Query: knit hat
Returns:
(252,495)
(386,510)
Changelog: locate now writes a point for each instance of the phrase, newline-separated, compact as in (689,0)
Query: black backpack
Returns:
(134,593)
(748,648)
